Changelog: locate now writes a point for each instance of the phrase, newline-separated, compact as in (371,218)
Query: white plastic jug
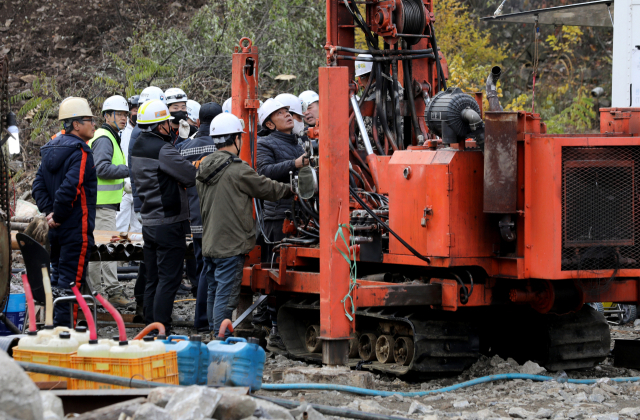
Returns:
(124,350)
(153,347)
(30,342)
(46,334)
(81,335)
(94,349)
(63,344)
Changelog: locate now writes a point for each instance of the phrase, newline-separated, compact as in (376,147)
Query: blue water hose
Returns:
(477,381)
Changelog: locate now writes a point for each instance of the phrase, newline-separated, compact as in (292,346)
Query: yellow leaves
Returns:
(519,103)
(564,42)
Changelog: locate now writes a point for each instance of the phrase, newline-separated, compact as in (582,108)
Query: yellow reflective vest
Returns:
(110,190)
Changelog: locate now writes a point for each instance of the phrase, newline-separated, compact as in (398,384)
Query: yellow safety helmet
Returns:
(153,112)
(74,107)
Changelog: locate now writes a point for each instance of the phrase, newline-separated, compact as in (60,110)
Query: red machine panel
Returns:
(445,188)
(580,218)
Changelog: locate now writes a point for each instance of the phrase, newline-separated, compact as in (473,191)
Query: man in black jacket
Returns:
(195,150)
(279,153)
(161,175)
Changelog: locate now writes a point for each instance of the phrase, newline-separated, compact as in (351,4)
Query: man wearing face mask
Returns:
(279,152)
(297,108)
(177,102)
(313,108)
(111,168)
(161,175)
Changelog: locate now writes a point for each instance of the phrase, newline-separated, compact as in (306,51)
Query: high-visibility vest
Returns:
(110,190)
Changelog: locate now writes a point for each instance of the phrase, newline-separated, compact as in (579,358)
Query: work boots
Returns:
(274,341)
(119,300)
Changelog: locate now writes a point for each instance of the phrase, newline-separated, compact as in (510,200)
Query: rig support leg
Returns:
(335,327)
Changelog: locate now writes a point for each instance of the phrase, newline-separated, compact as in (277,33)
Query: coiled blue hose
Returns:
(490,378)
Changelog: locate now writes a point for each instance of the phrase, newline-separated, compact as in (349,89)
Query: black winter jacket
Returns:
(276,157)
(194,150)
(137,204)
(161,175)
(66,184)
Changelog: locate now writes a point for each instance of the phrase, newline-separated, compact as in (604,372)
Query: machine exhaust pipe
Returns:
(492,93)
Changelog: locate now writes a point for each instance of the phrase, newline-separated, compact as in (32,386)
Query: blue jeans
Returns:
(224,277)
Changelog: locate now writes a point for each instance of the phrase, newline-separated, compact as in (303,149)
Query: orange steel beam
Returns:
(244,102)
(335,327)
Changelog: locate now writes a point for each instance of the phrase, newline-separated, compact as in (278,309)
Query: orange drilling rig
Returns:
(442,232)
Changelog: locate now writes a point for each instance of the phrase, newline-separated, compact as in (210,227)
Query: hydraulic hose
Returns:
(374,132)
(46,284)
(93,334)
(384,225)
(122,332)
(31,307)
(408,88)
(395,97)
(381,101)
(384,52)
(153,326)
(477,381)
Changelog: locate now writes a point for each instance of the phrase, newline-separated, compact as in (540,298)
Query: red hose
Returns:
(223,327)
(153,326)
(31,307)
(93,334)
(115,314)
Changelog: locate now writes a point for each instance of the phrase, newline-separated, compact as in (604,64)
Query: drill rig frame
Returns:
(471,232)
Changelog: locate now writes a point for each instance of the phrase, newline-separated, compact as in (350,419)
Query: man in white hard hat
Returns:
(363,72)
(162,176)
(177,103)
(226,106)
(111,168)
(195,150)
(226,186)
(313,109)
(148,94)
(279,153)
(193,112)
(65,189)
(126,220)
(297,108)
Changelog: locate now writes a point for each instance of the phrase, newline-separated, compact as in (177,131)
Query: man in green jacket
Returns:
(226,186)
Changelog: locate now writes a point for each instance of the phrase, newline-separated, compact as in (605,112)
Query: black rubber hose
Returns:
(384,225)
(384,52)
(332,411)
(357,175)
(385,59)
(365,92)
(397,114)
(308,210)
(381,101)
(408,88)
(352,180)
(442,83)
(374,131)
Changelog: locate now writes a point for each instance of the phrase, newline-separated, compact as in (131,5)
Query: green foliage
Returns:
(42,105)
(580,115)
(290,37)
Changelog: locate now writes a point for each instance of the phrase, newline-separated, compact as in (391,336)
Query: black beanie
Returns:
(209,111)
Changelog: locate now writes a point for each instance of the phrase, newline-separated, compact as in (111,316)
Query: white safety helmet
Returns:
(295,104)
(115,103)
(150,93)
(174,95)
(363,67)
(224,124)
(226,106)
(269,107)
(153,112)
(309,97)
(193,110)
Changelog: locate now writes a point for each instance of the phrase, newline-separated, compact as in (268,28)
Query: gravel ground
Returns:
(555,399)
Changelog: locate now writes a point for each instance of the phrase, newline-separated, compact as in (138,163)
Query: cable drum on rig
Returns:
(411,19)
(454,116)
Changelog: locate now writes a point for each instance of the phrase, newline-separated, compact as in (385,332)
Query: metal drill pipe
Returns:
(363,129)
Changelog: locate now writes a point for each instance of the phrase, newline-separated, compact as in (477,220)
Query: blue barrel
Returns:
(15,312)
(236,362)
(193,358)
